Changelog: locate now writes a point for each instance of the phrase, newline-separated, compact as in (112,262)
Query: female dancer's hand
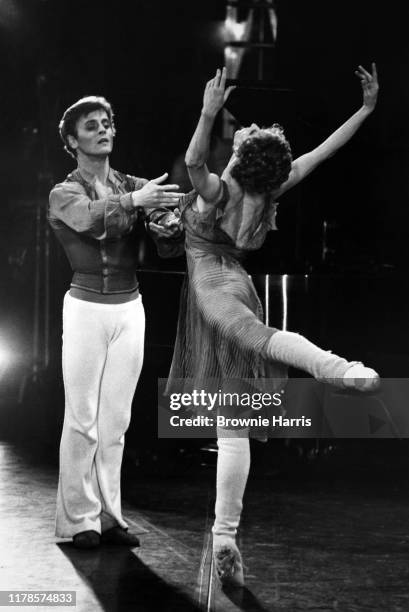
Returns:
(216,94)
(370,86)
(168,225)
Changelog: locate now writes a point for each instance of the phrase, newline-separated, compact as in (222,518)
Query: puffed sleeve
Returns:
(107,217)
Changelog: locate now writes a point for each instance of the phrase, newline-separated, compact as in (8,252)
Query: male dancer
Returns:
(92,214)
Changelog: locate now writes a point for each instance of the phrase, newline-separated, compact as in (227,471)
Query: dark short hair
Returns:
(84,106)
(264,161)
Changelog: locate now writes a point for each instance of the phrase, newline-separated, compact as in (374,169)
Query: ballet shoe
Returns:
(86,539)
(119,535)
(227,562)
(361,378)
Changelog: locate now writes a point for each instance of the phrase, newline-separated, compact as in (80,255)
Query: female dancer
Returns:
(220,333)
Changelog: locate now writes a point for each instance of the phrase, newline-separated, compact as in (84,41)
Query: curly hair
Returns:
(84,106)
(264,161)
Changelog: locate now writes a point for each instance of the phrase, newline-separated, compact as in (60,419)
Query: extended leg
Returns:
(295,350)
(234,317)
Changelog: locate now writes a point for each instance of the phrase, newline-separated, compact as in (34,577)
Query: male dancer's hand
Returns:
(370,86)
(154,194)
(216,94)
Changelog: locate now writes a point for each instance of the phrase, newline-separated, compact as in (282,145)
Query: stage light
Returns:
(236,35)
(234,30)
(9,355)
(231,54)
(9,14)
(5,360)
(284,289)
(267,299)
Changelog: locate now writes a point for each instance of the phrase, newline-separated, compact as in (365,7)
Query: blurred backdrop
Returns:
(346,227)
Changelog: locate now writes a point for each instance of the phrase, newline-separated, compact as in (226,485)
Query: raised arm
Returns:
(302,166)
(207,184)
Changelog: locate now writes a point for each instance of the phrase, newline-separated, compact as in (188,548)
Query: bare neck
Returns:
(90,166)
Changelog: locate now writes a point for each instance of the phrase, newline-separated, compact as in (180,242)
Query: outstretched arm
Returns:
(153,194)
(302,166)
(207,184)
(166,229)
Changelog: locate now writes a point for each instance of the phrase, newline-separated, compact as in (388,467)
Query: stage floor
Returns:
(308,544)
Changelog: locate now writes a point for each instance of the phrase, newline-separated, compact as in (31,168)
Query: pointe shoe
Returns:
(360,378)
(227,561)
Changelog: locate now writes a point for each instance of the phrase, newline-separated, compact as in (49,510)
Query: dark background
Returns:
(151,60)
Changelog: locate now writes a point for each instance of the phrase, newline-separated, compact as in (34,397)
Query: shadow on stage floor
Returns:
(325,527)
(120,581)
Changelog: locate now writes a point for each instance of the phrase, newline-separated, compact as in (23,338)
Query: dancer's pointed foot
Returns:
(360,378)
(228,563)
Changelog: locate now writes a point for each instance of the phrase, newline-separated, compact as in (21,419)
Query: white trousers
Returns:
(102,360)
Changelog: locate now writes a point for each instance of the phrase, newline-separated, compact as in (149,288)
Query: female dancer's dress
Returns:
(220,333)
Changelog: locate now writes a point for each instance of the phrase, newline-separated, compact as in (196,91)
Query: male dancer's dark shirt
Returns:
(97,233)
